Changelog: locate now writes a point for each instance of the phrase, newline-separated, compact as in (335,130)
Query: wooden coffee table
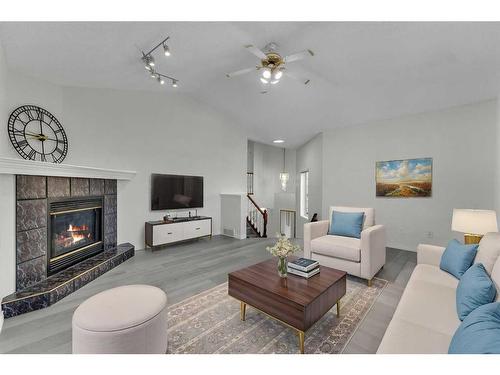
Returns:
(294,301)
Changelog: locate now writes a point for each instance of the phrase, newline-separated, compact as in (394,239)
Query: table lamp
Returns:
(473,223)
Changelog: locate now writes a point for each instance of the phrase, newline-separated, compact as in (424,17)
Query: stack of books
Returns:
(303,267)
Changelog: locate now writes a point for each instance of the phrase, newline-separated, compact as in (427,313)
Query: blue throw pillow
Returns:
(474,289)
(347,224)
(479,333)
(457,258)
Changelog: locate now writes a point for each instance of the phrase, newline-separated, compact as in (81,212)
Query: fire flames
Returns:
(78,233)
(74,234)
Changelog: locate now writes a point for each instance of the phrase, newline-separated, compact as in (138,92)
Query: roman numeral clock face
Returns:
(37,135)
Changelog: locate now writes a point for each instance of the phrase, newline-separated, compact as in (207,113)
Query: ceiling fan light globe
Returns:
(278,74)
(266,74)
(264,81)
(275,81)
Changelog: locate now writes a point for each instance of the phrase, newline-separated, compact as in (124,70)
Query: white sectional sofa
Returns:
(426,317)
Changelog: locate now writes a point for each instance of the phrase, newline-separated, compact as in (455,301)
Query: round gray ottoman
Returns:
(127,319)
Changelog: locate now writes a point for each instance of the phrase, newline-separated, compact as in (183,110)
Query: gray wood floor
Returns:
(185,270)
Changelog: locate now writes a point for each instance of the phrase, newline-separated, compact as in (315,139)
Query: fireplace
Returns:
(74,231)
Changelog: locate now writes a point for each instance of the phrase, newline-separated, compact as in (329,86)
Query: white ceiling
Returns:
(360,72)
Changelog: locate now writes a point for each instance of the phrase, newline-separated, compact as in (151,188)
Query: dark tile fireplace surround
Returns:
(65,238)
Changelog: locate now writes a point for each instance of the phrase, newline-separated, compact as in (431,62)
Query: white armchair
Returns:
(362,257)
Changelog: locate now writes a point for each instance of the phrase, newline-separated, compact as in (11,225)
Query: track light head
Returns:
(160,80)
(152,73)
(148,60)
(174,83)
(166,50)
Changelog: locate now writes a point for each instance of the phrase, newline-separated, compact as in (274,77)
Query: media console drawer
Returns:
(197,228)
(159,233)
(163,234)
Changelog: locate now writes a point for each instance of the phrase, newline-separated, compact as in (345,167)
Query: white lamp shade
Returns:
(474,221)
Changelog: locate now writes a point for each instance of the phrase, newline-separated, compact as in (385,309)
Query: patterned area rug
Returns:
(210,323)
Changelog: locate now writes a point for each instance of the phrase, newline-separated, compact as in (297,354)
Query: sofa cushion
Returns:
(369,220)
(488,251)
(429,304)
(338,246)
(432,274)
(495,277)
(403,337)
(347,224)
(457,258)
(479,333)
(474,289)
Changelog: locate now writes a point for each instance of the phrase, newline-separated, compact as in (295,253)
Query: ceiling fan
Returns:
(273,65)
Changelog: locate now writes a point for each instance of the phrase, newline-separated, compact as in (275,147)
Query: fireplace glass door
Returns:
(74,230)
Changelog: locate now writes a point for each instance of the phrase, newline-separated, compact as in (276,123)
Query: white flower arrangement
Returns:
(283,247)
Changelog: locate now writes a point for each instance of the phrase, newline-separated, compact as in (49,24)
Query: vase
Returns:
(282,266)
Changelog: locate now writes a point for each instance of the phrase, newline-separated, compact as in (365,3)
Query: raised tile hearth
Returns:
(58,286)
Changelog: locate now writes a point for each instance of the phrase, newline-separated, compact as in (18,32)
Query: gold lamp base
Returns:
(472,239)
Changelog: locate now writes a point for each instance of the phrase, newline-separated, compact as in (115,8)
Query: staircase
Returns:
(256,219)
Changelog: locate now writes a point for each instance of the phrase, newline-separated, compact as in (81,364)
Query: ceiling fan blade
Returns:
(305,81)
(240,72)
(257,52)
(298,56)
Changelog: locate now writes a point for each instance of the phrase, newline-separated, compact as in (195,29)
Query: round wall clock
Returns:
(37,135)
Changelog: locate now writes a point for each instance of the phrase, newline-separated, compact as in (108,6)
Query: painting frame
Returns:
(404,178)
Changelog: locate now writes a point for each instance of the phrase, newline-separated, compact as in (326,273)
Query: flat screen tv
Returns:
(169,192)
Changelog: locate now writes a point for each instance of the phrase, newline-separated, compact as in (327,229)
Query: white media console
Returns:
(159,233)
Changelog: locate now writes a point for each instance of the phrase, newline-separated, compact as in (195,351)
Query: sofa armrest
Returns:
(429,254)
(373,250)
(312,231)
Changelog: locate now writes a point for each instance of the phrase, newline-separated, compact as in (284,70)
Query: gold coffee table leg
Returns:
(301,341)
(243,307)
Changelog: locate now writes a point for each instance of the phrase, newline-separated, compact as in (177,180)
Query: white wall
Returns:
(233,215)
(497,162)
(267,165)
(7,201)
(145,132)
(310,158)
(462,143)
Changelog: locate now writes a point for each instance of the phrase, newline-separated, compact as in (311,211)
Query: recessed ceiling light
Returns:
(278,141)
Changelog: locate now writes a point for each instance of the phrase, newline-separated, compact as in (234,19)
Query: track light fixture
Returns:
(166,50)
(149,63)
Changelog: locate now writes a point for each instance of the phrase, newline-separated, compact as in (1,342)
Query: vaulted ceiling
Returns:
(360,72)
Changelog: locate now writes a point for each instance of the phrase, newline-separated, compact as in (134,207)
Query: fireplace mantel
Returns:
(39,168)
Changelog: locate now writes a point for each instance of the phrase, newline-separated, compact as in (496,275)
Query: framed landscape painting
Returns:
(404,178)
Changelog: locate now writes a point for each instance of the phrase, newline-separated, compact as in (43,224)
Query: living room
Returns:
(264,187)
